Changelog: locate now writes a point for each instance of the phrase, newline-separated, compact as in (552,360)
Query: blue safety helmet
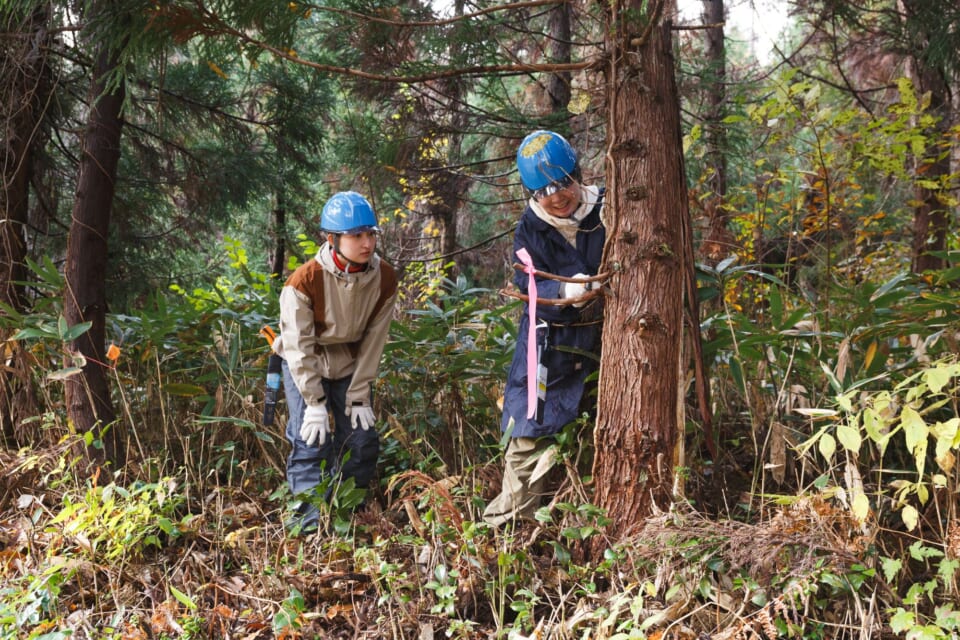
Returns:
(545,157)
(348,212)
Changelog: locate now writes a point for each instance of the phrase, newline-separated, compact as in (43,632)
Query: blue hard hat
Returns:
(348,212)
(545,157)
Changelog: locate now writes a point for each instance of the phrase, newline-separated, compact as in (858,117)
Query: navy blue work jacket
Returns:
(565,326)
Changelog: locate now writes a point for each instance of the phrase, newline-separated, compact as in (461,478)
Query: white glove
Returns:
(315,425)
(361,417)
(576,289)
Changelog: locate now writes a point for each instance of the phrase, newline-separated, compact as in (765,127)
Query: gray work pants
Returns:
(523,481)
(347,453)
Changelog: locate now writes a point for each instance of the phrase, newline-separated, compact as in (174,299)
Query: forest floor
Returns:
(111,562)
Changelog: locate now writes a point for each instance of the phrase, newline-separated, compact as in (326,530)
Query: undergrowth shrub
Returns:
(187,375)
(890,458)
(440,381)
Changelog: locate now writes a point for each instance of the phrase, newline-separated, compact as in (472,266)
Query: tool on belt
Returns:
(272,391)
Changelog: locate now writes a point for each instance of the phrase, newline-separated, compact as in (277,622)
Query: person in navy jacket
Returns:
(562,230)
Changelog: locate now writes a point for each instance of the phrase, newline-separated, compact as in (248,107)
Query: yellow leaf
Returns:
(579,102)
(910,517)
(871,353)
(217,70)
(915,430)
(860,507)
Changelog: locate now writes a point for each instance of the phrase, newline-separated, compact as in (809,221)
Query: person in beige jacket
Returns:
(335,313)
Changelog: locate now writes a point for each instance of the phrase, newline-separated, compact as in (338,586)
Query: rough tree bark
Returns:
(24,76)
(279,257)
(22,68)
(640,392)
(931,217)
(89,406)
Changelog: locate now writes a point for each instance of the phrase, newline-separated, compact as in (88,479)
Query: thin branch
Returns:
(476,70)
(458,251)
(555,302)
(696,27)
(439,23)
(552,276)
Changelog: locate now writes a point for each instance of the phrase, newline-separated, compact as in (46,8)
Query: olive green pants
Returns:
(526,463)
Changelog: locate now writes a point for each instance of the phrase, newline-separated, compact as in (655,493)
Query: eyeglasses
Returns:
(552,188)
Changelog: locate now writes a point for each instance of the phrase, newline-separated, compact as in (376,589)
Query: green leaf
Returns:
(902,620)
(776,307)
(284,619)
(733,119)
(240,422)
(887,287)
(63,374)
(891,567)
(873,424)
(947,568)
(849,437)
(186,390)
(831,378)
(183,598)
(827,446)
(938,377)
(845,402)
(915,430)
(33,332)
(75,331)
(736,369)
(167,526)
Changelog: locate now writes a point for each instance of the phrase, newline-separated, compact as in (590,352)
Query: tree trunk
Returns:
(719,241)
(88,395)
(931,221)
(279,236)
(22,71)
(558,84)
(24,78)
(640,412)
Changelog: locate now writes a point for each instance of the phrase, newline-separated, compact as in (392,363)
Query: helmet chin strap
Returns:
(350,265)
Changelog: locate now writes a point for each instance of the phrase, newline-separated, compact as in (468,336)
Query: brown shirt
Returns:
(334,324)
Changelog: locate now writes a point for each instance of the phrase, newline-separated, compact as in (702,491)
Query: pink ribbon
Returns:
(531,332)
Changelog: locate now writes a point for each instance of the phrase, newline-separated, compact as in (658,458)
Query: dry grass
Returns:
(232,571)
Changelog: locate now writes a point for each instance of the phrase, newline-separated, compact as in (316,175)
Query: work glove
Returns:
(362,417)
(576,289)
(315,424)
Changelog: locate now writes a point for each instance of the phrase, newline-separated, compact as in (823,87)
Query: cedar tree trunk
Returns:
(88,395)
(719,241)
(640,413)
(931,216)
(558,84)
(24,78)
